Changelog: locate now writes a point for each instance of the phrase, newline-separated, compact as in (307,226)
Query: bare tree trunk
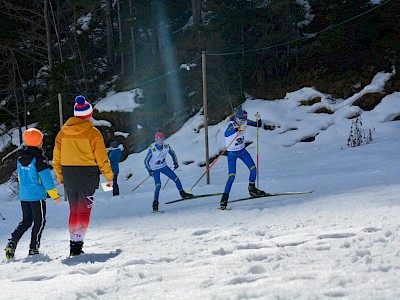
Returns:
(56,26)
(109,35)
(196,12)
(153,32)
(132,30)
(79,52)
(121,37)
(22,90)
(288,30)
(15,91)
(48,37)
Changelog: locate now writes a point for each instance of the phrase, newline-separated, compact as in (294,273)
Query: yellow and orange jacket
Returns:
(79,153)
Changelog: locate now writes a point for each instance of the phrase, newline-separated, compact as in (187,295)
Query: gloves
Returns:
(242,128)
(176,165)
(258,117)
(151,173)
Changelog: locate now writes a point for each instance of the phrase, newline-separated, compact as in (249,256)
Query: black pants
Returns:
(32,212)
(115,185)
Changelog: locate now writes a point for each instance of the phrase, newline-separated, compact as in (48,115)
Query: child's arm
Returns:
(257,122)
(48,184)
(147,161)
(254,123)
(46,178)
(174,157)
(232,129)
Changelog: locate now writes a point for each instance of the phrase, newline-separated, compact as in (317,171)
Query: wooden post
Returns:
(203,60)
(60,111)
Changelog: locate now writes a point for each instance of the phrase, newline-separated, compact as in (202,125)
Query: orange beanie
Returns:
(33,137)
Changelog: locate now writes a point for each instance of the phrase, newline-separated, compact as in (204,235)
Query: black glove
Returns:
(151,173)
(176,166)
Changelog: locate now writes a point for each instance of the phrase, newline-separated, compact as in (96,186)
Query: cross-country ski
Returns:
(194,197)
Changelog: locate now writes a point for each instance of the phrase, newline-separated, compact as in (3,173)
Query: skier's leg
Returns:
(171,174)
(157,182)
(22,227)
(81,203)
(231,178)
(115,185)
(72,197)
(253,191)
(79,222)
(231,171)
(39,221)
(26,222)
(249,162)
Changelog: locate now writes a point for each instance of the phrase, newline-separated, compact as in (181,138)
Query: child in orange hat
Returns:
(35,183)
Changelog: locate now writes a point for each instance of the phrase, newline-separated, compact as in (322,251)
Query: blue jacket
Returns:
(34,176)
(115,157)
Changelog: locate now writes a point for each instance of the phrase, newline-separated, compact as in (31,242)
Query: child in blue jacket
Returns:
(115,157)
(155,163)
(235,143)
(35,183)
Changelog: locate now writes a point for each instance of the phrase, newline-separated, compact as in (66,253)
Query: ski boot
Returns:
(33,251)
(75,248)
(10,249)
(155,205)
(224,201)
(255,192)
(185,195)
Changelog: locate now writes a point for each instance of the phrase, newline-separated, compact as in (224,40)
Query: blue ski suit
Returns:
(155,163)
(234,138)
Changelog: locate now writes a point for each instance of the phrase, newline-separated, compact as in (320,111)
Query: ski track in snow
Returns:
(247,253)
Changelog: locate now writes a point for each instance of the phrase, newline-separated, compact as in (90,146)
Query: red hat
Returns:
(33,137)
(159,135)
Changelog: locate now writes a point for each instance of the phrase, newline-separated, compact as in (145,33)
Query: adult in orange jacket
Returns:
(79,156)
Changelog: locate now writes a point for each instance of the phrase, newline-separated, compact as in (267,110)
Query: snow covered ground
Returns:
(340,242)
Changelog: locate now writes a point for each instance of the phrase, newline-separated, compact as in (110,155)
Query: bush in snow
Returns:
(357,136)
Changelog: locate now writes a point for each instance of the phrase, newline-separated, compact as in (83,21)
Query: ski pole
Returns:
(167,181)
(163,188)
(258,175)
(2,217)
(213,163)
(140,183)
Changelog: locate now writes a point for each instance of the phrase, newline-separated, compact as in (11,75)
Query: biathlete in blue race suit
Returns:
(155,163)
(235,143)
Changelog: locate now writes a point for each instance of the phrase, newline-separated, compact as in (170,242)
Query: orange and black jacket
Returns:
(80,156)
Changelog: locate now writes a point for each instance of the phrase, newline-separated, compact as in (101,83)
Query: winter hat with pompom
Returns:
(82,108)
(33,137)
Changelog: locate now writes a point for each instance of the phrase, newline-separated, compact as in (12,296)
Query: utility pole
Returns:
(203,63)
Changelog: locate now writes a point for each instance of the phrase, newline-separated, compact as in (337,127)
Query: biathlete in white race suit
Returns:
(156,163)
(235,143)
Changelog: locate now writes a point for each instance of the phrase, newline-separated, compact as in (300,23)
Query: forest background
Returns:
(260,49)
